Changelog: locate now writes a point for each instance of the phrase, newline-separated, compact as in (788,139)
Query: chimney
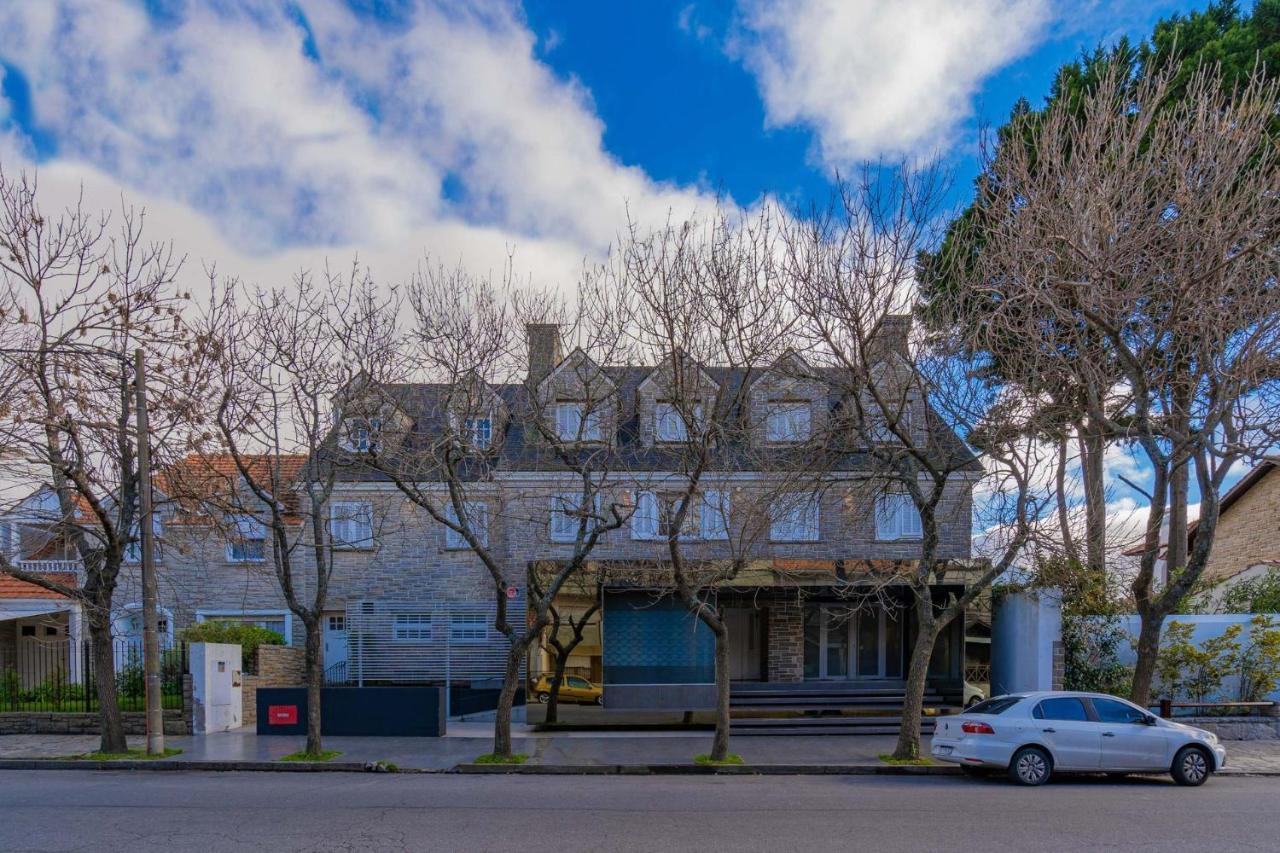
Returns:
(545,351)
(892,336)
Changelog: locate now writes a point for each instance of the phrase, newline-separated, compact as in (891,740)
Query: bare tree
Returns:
(288,358)
(78,296)
(465,338)
(929,427)
(561,645)
(702,299)
(1134,250)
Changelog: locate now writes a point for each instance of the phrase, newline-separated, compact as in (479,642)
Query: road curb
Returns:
(704,770)
(208,766)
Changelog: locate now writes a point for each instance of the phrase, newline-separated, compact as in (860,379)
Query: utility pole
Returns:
(146,527)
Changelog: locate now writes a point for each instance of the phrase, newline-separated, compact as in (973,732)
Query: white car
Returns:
(1034,735)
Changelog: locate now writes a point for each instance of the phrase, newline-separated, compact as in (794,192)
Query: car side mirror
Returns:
(1149,720)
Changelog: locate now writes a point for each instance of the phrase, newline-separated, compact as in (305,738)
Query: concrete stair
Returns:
(825,708)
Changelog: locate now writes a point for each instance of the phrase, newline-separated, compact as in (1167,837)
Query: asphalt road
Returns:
(277,812)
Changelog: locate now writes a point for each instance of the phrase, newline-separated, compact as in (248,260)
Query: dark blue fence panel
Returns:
(359,711)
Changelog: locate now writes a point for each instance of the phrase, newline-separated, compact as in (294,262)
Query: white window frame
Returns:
(713,521)
(575,422)
(468,628)
(479,431)
(241,524)
(360,435)
(789,421)
(795,517)
(566,531)
(897,518)
(669,425)
(341,527)
(204,614)
(478,514)
(412,628)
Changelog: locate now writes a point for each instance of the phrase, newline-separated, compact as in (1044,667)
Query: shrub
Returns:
(1090,661)
(1255,595)
(248,637)
(1257,663)
(1188,671)
(10,686)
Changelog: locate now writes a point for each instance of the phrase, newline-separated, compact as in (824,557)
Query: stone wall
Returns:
(176,722)
(786,641)
(1246,534)
(1237,728)
(278,666)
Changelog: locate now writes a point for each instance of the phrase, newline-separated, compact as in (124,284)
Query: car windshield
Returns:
(995,705)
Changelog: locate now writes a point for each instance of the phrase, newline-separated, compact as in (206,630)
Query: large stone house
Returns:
(1247,540)
(409,601)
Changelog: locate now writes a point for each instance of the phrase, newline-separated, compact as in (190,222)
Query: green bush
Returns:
(10,686)
(248,637)
(1195,672)
(1090,659)
(1257,663)
(1255,595)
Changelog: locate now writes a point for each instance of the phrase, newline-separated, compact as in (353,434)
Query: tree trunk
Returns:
(720,741)
(1148,651)
(104,672)
(1092,448)
(315,680)
(557,678)
(1176,551)
(502,719)
(908,747)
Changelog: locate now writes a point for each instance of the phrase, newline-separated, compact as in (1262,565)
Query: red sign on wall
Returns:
(282,715)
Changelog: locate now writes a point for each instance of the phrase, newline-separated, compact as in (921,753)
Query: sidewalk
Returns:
(611,750)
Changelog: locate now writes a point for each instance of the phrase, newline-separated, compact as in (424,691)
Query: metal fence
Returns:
(60,676)
(405,642)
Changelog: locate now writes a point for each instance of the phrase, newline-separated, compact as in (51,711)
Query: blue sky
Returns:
(266,137)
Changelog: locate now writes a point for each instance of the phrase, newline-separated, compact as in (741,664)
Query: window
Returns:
(878,425)
(477,513)
(574,422)
(411,628)
(997,705)
(351,524)
(247,542)
(28,630)
(575,681)
(1114,711)
(715,514)
(794,518)
(1064,708)
(788,421)
(897,517)
(566,516)
(670,425)
(272,620)
(337,623)
(478,431)
(362,434)
(468,628)
(133,548)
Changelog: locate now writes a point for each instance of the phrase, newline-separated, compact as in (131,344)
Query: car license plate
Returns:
(944,750)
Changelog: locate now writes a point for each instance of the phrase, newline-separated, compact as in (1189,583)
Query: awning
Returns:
(26,608)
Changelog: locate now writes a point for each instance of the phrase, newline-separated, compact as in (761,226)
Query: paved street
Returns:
(139,812)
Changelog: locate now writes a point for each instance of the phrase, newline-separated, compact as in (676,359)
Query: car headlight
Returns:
(1210,737)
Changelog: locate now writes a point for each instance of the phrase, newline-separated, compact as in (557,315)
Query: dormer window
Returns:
(670,425)
(478,431)
(788,421)
(362,435)
(576,422)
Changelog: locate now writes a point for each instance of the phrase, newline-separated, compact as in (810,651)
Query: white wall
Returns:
(1206,627)
(1025,628)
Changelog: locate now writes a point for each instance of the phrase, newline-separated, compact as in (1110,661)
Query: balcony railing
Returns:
(63,566)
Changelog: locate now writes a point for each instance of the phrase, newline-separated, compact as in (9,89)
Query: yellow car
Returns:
(573,689)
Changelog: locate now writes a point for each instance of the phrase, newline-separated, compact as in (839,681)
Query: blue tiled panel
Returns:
(654,642)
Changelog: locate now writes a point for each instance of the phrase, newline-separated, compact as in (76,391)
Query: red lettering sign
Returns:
(282,715)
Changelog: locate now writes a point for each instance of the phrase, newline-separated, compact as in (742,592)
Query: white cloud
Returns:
(440,132)
(874,78)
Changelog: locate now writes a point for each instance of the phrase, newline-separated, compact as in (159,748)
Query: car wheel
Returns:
(600,700)
(1191,766)
(973,700)
(1031,765)
(544,697)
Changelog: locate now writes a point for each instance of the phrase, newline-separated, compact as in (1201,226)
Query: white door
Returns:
(335,642)
(1065,727)
(1128,743)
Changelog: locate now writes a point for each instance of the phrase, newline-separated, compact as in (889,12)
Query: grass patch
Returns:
(922,761)
(303,755)
(732,759)
(131,755)
(490,758)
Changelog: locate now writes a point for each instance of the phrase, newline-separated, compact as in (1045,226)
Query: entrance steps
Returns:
(825,708)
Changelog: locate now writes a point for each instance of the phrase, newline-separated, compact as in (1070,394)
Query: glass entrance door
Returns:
(841,643)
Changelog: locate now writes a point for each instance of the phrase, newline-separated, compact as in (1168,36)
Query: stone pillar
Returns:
(786,641)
